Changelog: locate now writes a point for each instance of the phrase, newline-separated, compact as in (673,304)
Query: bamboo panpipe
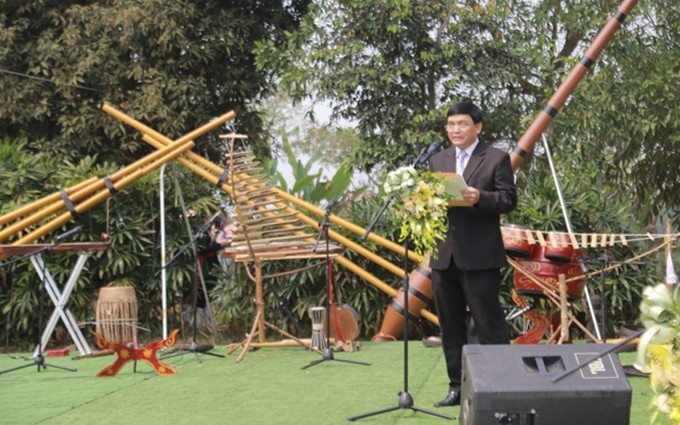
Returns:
(83,192)
(35,205)
(103,195)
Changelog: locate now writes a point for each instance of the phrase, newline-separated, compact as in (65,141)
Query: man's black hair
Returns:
(466,108)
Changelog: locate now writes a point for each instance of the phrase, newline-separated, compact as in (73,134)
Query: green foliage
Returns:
(393,67)
(171,64)
(633,130)
(312,186)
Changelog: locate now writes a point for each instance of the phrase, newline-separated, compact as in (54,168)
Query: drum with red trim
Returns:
(548,271)
(344,323)
(558,247)
(515,241)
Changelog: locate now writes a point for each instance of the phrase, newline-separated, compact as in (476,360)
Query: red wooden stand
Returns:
(125,354)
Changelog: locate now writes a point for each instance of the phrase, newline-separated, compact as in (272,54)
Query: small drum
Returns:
(558,247)
(515,241)
(548,271)
(318,314)
(117,313)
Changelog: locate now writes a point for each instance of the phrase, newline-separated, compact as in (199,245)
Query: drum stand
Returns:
(405,398)
(198,277)
(38,357)
(328,351)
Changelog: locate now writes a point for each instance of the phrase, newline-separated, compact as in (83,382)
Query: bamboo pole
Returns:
(158,136)
(40,203)
(564,310)
(526,143)
(85,191)
(103,195)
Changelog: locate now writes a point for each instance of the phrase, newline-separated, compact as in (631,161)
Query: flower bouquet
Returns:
(658,351)
(422,212)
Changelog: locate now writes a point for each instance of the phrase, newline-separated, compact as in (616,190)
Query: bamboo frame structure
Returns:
(212,173)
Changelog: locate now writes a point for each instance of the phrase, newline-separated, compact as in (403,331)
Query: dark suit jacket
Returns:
(474,238)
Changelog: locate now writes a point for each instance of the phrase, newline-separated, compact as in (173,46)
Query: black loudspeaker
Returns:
(542,385)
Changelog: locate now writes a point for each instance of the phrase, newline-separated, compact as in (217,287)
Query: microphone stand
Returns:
(198,277)
(405,398)
(328,352)
(39,357)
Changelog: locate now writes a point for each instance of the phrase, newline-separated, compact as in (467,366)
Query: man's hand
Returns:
(470,194)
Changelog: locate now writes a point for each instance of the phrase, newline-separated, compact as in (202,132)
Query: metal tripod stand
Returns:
(405,398)
(198,278)
(38,357)
(328,352)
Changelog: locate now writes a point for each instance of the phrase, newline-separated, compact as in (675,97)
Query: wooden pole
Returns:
(526,143)
(564,310)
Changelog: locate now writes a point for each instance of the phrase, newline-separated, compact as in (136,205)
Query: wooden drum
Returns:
(318,316)
(548,271)
(420,297)
(515,241)
(117,313)
(558,247)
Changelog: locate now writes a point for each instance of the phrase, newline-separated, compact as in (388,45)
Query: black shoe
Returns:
(451,399)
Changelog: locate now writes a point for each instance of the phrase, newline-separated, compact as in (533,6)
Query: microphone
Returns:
(427,153)
(584,267)
(67,234)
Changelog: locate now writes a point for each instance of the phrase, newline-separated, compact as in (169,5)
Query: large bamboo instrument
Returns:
(85,195)
(526,143)
(277,199)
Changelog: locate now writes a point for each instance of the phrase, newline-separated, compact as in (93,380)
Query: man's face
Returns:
(462,130)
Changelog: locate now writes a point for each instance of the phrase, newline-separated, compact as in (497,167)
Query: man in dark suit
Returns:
(466,269)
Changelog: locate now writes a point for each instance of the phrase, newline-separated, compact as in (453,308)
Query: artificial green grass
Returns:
(267,387)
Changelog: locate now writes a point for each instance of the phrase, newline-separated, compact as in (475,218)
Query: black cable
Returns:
(47,80)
